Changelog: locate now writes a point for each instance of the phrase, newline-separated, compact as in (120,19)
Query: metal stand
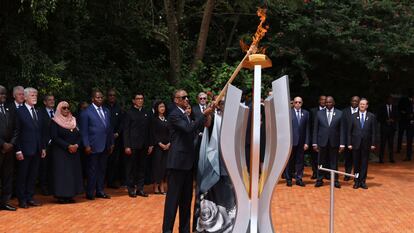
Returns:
(331,211)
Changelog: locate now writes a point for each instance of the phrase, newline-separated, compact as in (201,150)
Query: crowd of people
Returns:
(67,153)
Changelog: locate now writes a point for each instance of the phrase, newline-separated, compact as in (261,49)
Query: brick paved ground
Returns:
(387,206)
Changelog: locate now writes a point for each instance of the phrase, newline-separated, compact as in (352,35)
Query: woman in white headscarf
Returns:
(67,170)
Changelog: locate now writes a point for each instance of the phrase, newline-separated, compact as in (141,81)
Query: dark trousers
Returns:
(410,135)
(96,168)
(295,164)
(314,161)
(348,158)
(6,176)
(328,155)
(135,169)
(179,195)
(361,157)
(27,171)
(112,173)
(387,138)
(402,127)
(45,169)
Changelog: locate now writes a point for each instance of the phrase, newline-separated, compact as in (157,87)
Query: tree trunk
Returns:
(230,38)
(173,39)
(202,37)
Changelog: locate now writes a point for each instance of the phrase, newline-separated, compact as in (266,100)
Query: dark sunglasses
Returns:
(183,97)
(297,102)
(65,108)
(203,98)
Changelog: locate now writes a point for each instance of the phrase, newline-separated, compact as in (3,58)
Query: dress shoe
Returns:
(90,197)
(318,183)
(347,178)
(45,192)
(33,203)
(142,193)
(289,183)
(23,205)
(61,201)
(132,194)
(7,207)
(363,185)
(337,185)
(313,177)
(300,183)
(356,185)
(70,200)
(103,195)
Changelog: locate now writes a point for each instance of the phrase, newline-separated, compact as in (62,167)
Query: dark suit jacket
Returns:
(347,118)
(30,135)
(182,153)
(301,132)
(46,124)
(136,132)
(95,133)
(383,116)
(367,134)
(116,117)
(324,133)
(196,113)
(8,131)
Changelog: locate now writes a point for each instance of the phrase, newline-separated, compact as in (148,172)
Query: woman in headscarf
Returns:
(67,169)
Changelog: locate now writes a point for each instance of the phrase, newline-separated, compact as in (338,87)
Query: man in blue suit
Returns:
(98,140)
(30,148)
(329,138)
(300,142)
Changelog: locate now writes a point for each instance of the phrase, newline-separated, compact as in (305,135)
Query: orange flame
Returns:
(260,33)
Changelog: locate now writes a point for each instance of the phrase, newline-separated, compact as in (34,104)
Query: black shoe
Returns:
(347,178)
(90,197)
(132,194)
(318,183)
(300,183)
(142,193)
(363,185)
(23,205)
(337,185)
(70,200)
(61,201)
(313,177)
(356,185)
(33,203)
(7,207)
(45,192)
(103,195)
(289,183)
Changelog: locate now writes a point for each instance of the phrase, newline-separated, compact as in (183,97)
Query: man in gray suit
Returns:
(328,138)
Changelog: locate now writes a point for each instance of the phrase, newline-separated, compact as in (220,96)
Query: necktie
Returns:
(362,120)
(203,108)
(51,114)
(20,105)
(329,117)
(34,116)
(101,115)
(2,109)
(298,116)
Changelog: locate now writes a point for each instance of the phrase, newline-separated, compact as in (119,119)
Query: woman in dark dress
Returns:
(67,169)
(161,142)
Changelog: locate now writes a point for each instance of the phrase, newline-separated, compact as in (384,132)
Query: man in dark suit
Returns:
(180,163)
(115,167)
(98,141)
(410,130)
(347,115)
(7,141)
(328,138)
(300,142)
(18,95)
(403,114)
(136,134)
(314,154)
(361,139)
(30,148)
(45,168)
(387,116)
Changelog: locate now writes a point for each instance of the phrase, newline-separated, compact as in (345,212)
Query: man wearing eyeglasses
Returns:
(300,142)
(180,162)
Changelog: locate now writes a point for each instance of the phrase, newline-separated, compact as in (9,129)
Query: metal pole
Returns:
(331,219)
